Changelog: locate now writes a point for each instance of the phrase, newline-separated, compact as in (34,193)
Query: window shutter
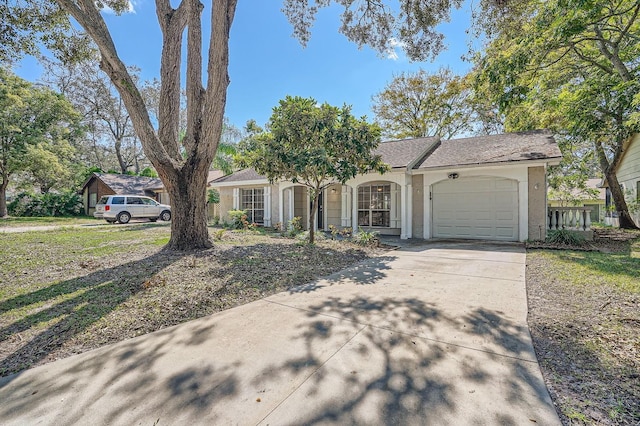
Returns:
(236,198)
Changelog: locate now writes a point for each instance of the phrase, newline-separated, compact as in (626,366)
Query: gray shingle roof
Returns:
(403,152)
(127,184)
(239,176)
(509,147)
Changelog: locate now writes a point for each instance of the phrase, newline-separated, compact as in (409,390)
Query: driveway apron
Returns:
(431,333)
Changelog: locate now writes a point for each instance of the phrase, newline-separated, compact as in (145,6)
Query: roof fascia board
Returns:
(543,162)
(240,183)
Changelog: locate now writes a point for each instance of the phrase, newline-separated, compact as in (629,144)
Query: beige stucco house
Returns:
(485,187)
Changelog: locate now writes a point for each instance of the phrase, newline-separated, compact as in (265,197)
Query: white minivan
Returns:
(123,208)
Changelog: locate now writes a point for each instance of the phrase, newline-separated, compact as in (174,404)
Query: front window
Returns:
(252,202)
(374,205)
(93,199)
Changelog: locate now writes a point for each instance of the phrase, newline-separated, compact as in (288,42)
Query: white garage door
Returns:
(477,208)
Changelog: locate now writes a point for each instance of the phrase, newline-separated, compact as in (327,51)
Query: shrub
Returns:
(365,238)
(64,204)
(304,236)
(213,196)
(238,217)
(295,226)
(217,235)
(334,231)
(564,236)
(346,232)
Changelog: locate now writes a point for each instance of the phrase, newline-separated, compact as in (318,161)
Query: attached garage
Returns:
(476,208)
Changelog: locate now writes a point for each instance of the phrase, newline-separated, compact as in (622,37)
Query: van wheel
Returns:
(124,217)
(165,215)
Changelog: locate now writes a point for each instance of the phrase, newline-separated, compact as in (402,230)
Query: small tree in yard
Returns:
(315,146)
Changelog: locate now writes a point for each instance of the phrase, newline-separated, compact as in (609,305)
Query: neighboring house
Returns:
(579,198)
(99,184)
(485,187)
(628,173)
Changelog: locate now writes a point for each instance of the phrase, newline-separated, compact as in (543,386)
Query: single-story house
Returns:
(99,184)
(628,173)
(484,187)
(595,200)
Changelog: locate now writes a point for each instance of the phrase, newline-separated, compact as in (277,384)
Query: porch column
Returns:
(354,209)
(291,205)
(406,206)
(345,206)
(281,206)
(427,210)
(267,206)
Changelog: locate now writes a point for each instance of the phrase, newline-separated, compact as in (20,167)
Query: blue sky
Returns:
(267,63)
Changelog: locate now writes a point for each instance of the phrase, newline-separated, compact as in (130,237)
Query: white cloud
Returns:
(394,47)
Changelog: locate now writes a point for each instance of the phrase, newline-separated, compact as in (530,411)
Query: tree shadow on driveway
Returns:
(390,371)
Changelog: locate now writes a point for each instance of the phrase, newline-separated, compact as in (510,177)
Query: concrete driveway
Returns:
(427,334)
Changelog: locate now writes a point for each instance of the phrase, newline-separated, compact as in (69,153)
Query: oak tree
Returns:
(420,104)
(35,124)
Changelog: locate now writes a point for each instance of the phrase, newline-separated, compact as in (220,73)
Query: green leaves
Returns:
(36,127)
(419,104)
(313,144)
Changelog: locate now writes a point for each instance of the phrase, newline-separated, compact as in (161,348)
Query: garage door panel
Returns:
(484,208)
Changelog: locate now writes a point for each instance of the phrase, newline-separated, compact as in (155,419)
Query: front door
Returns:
(320,212)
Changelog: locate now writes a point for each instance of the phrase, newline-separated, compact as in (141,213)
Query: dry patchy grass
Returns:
(71,290)
(584,315)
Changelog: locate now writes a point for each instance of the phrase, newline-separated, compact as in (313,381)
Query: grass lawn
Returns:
(43,221)
(70,290)
(584,315)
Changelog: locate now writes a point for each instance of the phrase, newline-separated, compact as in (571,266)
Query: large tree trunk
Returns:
(3,197)
(608,168)
(187,192)
(182,165)
(121,162)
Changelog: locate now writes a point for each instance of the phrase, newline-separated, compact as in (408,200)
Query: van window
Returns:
(134,200)
(117,200)
(103,200)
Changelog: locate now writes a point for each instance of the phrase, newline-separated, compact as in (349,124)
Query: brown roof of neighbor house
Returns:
(509,147)
(241,175)
(127,184)
(404,152)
